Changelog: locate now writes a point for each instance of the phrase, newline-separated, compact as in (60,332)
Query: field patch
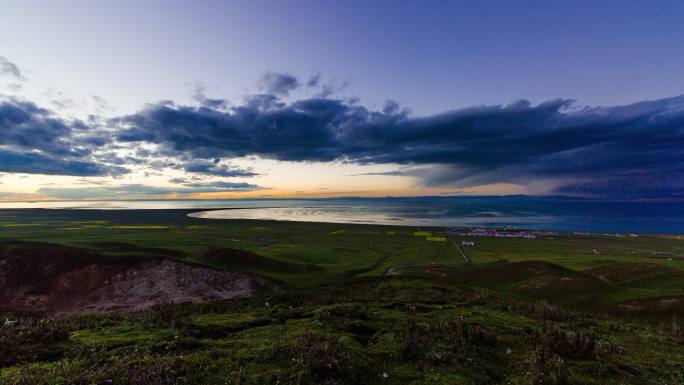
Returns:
(141,227)
(119,336)
(636,273)
(537,279)
(131,249)
(90,222)
(247,260)
(221,325)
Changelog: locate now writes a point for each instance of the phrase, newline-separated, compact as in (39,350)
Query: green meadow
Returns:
(361,304)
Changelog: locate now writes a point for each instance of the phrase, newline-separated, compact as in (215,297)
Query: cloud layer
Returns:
(637,145)
(34,140)
(631,151)
(142,191)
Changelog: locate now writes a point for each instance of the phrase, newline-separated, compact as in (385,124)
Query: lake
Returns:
(544,213)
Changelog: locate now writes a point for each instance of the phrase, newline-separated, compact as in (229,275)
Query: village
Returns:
(489,232)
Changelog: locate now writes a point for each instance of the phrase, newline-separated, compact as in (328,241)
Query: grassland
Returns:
(341,251)
(558,309)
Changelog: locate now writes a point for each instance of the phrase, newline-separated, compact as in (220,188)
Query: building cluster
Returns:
(489,232)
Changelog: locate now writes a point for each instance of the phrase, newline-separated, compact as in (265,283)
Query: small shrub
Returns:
(349,311)
(317,358)
(167,315)
(575,345)
(674,330)
(551,312)
(32,341)
(442,341)
(545,367)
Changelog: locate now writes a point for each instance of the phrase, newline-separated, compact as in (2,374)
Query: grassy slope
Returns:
(359,250)
(359,325)
(379,330)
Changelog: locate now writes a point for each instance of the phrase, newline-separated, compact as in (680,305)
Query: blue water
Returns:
(543,213)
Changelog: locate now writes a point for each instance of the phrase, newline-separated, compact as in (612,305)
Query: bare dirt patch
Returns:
(39,277)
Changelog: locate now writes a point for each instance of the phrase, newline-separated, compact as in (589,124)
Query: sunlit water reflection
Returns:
(546,213)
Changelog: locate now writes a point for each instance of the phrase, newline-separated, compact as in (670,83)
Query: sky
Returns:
(215,99)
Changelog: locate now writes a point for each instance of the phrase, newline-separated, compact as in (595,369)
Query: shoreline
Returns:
(193,214)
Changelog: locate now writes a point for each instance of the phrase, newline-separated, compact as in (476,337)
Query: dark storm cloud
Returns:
(517,143)
(215,169)
(25,125)
(401,172)
(34,163)
(295,132)
(9,68)
(35,141)
(114,159)
(630,186)
(278,83)
(630,151)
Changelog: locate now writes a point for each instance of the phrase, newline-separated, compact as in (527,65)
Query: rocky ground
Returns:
(60,279)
